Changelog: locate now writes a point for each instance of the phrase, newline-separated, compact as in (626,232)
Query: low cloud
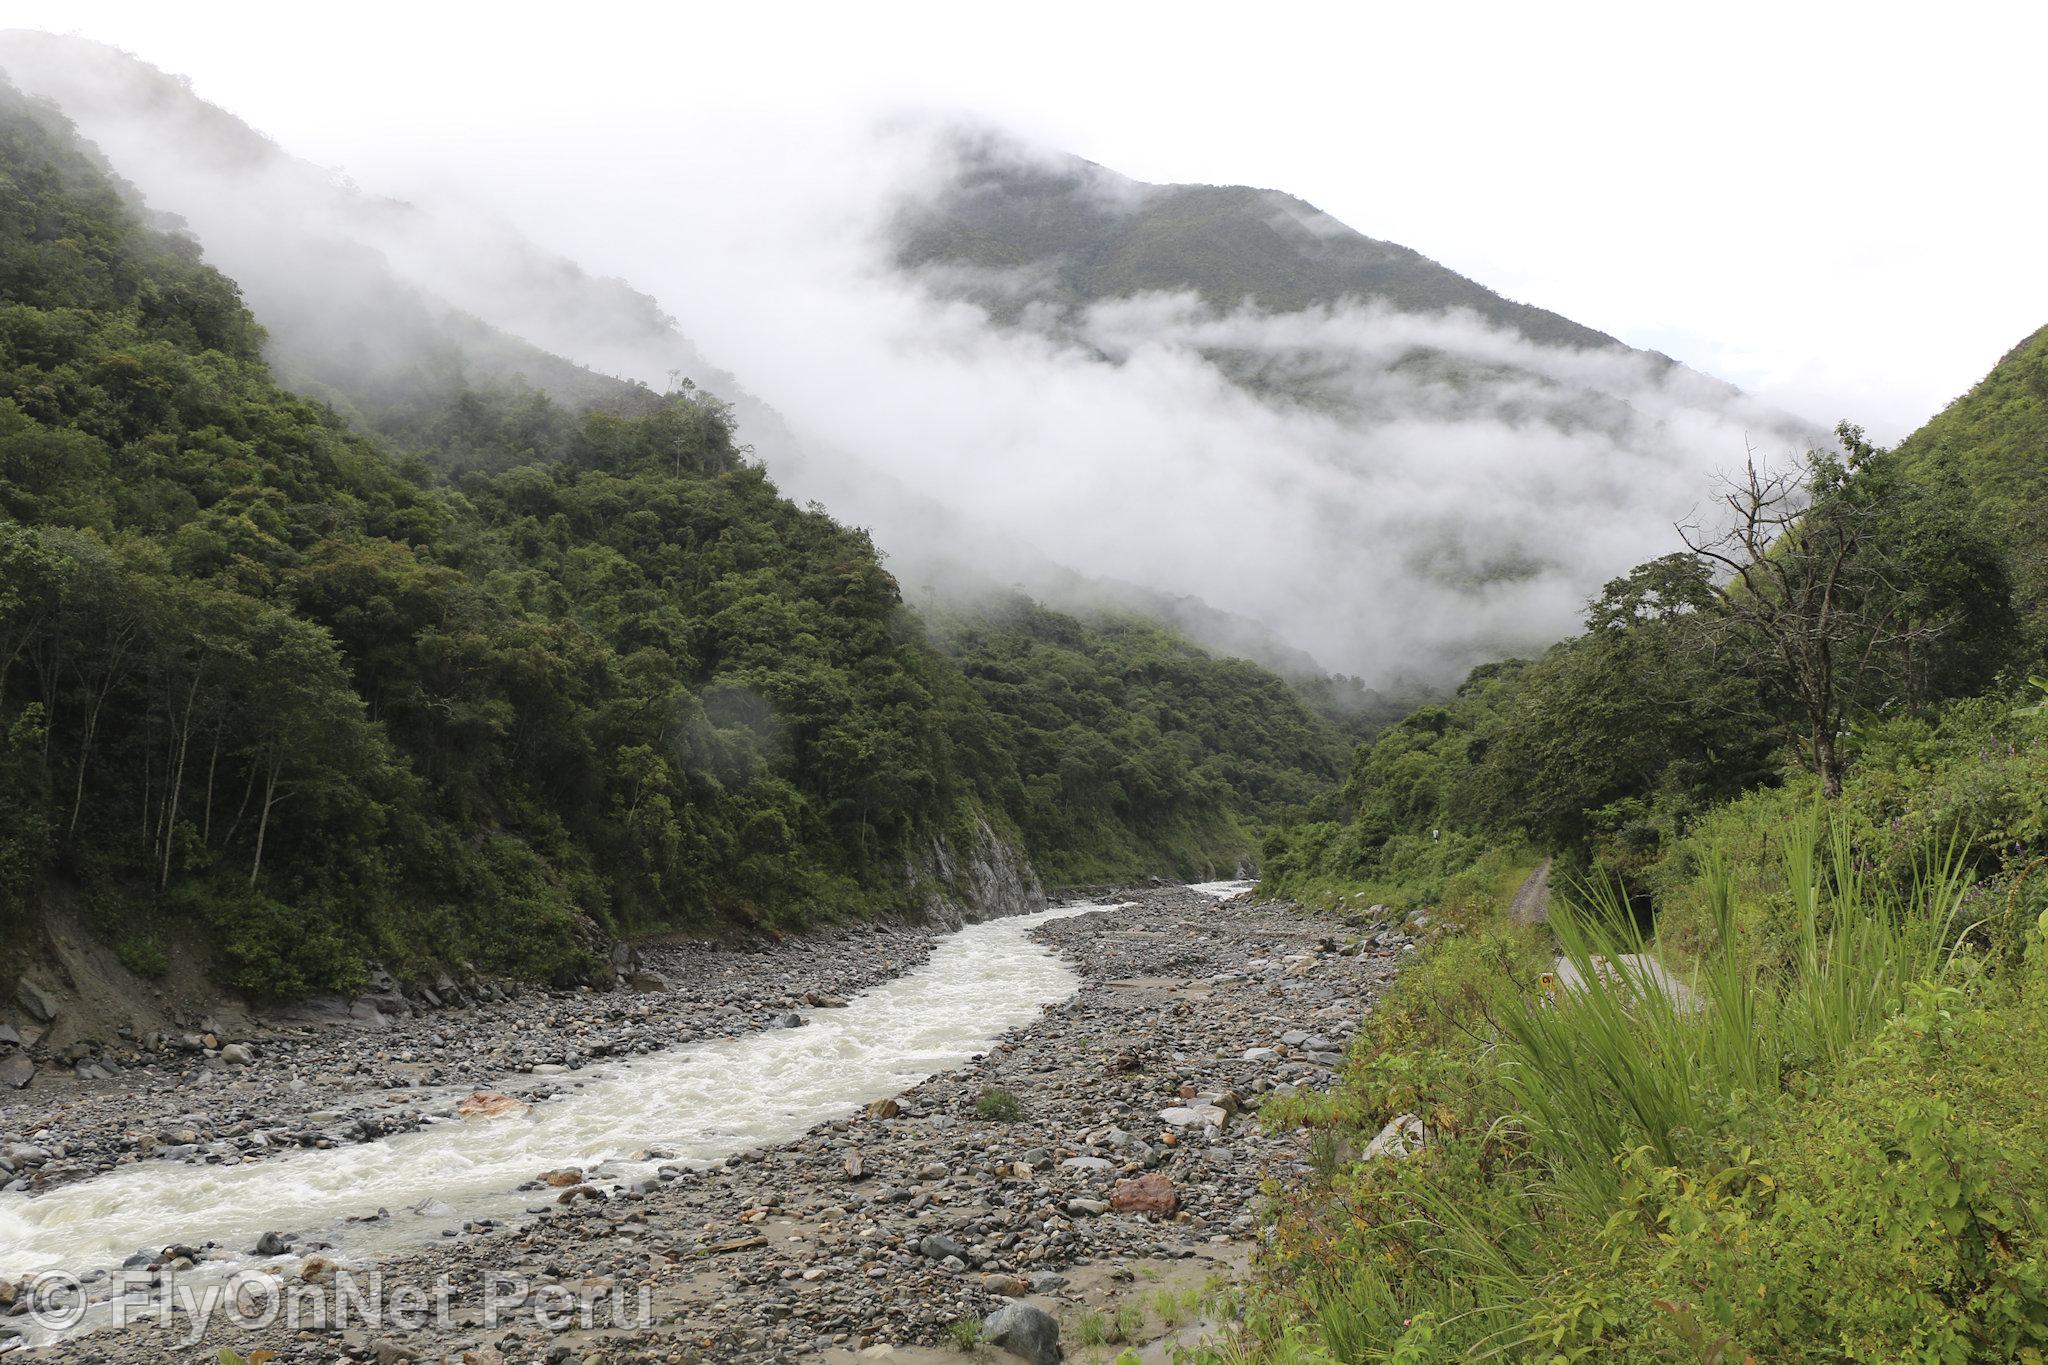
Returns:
(1398,495)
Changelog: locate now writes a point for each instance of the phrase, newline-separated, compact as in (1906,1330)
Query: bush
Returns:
(277,951)
(998,1106)
(145,957)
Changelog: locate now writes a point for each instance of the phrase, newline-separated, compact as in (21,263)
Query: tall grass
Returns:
(1628,1057)
(1627,1066)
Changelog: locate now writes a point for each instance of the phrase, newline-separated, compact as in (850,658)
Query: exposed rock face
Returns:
(987,879)
(38,1002)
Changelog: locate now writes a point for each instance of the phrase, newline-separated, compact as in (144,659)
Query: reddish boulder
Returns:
(1147,1194)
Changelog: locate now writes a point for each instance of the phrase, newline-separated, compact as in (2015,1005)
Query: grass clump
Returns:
(998,1106)
(964,1334)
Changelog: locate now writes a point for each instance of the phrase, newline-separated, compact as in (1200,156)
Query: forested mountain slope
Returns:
(256,666)
(1994,441)
(262,680)
(395,313)
(1677,698)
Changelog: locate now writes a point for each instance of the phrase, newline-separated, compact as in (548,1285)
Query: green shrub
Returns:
(998,1106)
(145,957)
(277,951)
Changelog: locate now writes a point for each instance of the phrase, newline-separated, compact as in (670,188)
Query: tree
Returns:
(1803,573)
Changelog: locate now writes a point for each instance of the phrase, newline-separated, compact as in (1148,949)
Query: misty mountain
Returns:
(391,312)
(1018,229)
(1405,472)
(1037,375)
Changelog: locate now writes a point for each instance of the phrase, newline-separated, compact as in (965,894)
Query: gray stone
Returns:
(1189,1116)
(937,1246)
(8,1037)
(16,1071)
(1025,1331)
(1402,1135)
(272,1244)
(237,1054)
(1087,1163)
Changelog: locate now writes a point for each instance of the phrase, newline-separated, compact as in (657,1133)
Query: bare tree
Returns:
(1801,571)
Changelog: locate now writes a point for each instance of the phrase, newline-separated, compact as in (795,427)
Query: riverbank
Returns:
(1101,1162)
(268,1088)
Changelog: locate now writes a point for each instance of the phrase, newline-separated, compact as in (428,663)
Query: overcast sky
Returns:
(1838,207)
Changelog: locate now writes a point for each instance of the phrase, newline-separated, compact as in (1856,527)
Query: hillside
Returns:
(268,684)
(1994,441)
(392,313)
(1847,1074)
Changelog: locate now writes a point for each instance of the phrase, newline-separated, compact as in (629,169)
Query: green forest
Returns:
(502,679)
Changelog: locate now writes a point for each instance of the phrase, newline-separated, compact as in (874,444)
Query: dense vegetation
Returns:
(1989,442)
(1133,747)
(1681,693)
(1831,1148)
(537,676)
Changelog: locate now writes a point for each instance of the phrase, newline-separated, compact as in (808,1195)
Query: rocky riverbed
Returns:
(351,1071)
(1093,1172)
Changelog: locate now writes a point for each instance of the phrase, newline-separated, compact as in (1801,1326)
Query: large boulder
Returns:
(1152,1193)
(16,1071)
(1025,1331)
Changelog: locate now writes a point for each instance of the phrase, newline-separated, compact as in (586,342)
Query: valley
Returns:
(841,733)
(1114,1182)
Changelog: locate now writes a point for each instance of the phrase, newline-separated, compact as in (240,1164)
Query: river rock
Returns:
(489,1104)
(1154,1193)
(1025,1331)
(1402,1135)
(237,1054)
(16,1071)
(884,1109)
(272,1244)
(563,1178)
(937,1247)
(1191,1116)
